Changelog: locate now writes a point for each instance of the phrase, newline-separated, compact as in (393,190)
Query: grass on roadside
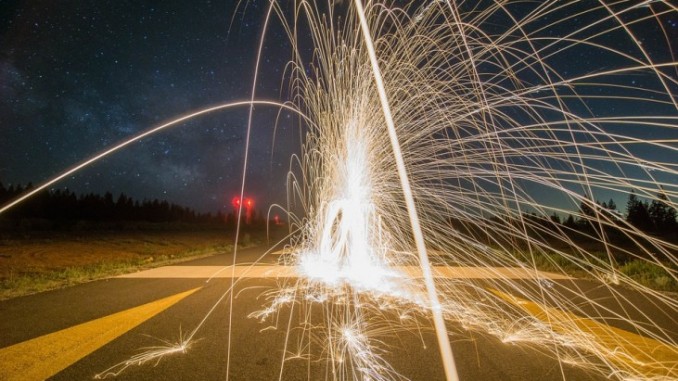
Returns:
(647,274)
(650,275)
(29,266)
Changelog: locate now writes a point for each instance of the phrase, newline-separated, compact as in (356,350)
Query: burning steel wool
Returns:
(444,135)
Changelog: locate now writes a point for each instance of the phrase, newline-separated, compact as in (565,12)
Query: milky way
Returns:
(77,77)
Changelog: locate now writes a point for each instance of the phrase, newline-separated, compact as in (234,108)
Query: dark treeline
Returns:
(596,218)
(604,222)
(656,217)
(595,222)
(61,208)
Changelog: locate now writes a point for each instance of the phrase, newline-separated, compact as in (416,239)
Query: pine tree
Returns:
(585,208)
(611,205)
(637,213)
(555,218)
(662,215)
(3,194)
(570,222)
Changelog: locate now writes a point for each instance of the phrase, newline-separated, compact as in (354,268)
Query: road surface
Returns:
(77,333)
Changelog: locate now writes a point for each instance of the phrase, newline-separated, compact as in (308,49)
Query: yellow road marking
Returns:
(277,271)
(628,350)
(44,356)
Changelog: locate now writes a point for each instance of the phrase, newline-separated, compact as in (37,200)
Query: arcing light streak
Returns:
(135,138)
(441,331)
(242,185)
(490,131)
(487,125)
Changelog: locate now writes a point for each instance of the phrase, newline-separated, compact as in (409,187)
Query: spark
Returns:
(152,354)
(431,134)
(484,120)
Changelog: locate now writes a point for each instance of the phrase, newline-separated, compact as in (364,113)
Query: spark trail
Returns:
(474,119)
(489,121)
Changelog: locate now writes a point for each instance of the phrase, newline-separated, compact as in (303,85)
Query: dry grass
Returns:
(30,265)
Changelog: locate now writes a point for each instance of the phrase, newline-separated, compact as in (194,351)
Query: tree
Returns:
(662,215)
(555,218)
(3,194)
(611,205)
(637,213)
(570,222)
(585,208)
(589,214)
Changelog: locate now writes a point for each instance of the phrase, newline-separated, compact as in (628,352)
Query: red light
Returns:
(235,201)
(248,205)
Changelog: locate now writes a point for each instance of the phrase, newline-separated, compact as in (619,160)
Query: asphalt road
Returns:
(255,352)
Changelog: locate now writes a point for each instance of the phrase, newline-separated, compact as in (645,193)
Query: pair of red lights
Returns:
(247,202)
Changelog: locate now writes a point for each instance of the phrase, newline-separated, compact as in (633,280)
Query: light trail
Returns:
(487,124)
(242,184)
(138,137)
(450,132)
(441,330)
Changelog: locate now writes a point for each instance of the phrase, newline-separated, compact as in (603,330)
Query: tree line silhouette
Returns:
(61,208)
(595,222)
(656,217)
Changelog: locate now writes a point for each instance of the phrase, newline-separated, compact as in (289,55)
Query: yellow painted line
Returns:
(186,272)
(44,356)
(630,351)
(276,271)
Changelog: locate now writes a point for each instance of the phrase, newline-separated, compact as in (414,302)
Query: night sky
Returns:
(79,76)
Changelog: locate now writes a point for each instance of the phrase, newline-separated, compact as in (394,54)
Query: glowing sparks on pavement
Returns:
(464,117)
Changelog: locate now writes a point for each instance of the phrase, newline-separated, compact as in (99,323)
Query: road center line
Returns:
(652,358)
(45,356)
(276,271)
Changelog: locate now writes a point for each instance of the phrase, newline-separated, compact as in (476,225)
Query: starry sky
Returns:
(79,76)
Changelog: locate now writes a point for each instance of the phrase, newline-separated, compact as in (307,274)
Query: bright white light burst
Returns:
(484,121)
